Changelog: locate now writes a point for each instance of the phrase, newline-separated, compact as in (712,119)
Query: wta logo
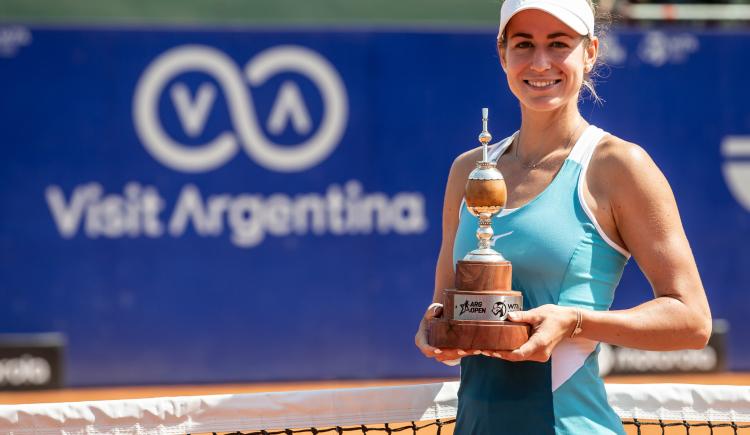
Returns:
(235,84)
(736,167)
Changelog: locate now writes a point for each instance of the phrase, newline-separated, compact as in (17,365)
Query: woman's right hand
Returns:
(446,356)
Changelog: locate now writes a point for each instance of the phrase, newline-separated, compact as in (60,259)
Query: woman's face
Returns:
(545,60)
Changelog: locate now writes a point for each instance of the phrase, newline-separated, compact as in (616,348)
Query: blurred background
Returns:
(250,191)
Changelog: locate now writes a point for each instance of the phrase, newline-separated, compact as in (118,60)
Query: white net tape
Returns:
(340,407)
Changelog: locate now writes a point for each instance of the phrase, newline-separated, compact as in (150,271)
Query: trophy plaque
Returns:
(475,311)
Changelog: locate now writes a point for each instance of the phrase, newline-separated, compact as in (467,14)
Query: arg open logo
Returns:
(736,167)
(236,84)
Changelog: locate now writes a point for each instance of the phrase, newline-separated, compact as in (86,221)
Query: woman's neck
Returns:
(544,132)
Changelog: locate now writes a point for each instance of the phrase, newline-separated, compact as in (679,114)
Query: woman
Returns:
(581,202)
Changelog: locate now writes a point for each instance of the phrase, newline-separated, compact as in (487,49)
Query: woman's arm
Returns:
(644,210)
(444,274)
(634,205)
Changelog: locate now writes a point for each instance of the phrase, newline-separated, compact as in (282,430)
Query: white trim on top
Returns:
(585,160)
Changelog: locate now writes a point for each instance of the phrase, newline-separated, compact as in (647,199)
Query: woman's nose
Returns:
(540,61)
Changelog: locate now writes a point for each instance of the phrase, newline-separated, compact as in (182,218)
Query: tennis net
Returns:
(423,409)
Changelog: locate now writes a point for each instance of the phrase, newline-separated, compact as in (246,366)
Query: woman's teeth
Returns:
(541,83)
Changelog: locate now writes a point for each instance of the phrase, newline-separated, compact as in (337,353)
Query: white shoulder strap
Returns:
(585,144)
(497,149)
(583,155)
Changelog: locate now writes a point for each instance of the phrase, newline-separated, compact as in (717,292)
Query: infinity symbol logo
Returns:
(247,133)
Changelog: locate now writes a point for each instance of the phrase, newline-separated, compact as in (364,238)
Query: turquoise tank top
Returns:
(560,256)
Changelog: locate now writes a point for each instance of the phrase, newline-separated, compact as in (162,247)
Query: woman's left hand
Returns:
(550,324)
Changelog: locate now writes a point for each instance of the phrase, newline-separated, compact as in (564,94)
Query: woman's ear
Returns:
(590,54)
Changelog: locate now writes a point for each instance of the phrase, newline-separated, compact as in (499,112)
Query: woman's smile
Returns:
(542,85)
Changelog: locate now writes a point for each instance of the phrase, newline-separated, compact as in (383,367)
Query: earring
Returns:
(588,67)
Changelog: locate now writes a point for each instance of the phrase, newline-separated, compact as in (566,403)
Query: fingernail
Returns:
(460,352)
(497,355)
(486,353)
(438,351)
(477,352)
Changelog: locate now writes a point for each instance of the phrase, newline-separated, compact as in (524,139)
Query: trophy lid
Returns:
(486,171)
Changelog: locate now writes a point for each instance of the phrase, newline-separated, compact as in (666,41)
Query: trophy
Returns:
(475,311)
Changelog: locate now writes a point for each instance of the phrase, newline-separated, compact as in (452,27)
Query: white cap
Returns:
(576,14)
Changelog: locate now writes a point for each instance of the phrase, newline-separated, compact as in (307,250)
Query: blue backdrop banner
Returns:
(208,206)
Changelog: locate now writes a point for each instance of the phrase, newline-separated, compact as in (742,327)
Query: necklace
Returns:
(543,159)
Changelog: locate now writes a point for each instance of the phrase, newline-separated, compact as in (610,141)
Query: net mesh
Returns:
(422,428)
(664,427)
(416,409)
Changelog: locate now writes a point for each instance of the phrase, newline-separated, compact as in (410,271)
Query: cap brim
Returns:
(564,15)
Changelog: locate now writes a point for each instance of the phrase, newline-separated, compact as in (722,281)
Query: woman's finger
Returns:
(531,317)
(421,341)
(535,349)
(434,310)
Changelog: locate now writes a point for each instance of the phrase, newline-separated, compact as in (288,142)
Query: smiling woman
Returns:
(580,202)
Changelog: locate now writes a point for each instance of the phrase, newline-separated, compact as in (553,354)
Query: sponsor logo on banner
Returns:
(712,358)
(613,359)
(736,167)
(289,107)
(24,370)
(613,52)
(660,48)
(12,38)
(248,218)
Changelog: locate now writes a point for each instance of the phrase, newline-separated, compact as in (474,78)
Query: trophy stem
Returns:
(484,251)
(485,231)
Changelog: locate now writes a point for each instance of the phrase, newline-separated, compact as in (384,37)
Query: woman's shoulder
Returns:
(616,156)
(618,164)
(465,163)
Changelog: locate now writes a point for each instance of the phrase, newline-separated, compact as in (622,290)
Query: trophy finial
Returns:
(484,137)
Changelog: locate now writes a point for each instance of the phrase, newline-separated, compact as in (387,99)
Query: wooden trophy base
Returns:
(475,312)
(478,334)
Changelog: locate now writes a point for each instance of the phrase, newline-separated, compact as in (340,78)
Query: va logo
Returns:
(193,111)
(736,167)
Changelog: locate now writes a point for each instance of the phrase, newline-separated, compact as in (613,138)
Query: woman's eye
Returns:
(524,44)
(558,44)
